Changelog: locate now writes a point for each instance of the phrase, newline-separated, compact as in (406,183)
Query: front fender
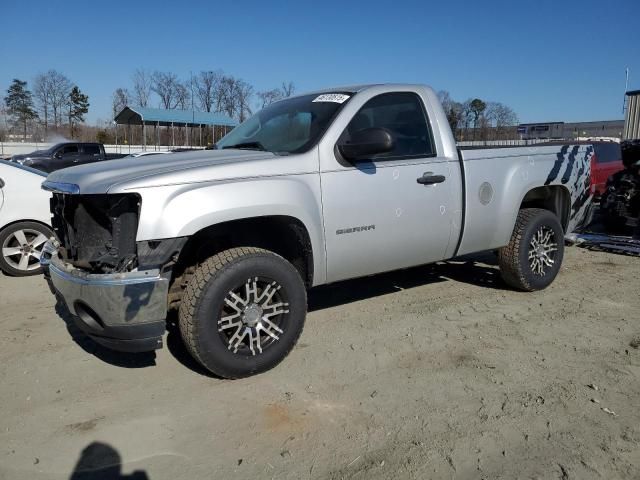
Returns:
(183,210)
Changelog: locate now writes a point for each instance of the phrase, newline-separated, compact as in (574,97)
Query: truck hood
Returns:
(128,174)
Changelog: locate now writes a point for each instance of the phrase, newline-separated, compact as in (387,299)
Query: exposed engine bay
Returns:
(97,232)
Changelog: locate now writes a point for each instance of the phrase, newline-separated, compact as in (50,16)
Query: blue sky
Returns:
(549,60)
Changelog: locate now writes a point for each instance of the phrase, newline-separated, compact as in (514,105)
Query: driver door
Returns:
(378,215)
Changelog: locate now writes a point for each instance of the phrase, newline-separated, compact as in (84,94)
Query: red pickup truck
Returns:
(606,161)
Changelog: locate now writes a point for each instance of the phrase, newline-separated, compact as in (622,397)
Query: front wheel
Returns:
(242,312)
(21,245)
(534,254)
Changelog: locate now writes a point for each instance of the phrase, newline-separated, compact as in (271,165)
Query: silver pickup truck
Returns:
(313,189)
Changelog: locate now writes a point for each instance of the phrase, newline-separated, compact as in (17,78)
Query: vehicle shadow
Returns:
(112,357)
(178,349)
(100,461)
(479,269)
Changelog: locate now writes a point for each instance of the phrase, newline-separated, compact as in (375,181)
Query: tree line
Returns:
(476,119)
(55,104)
(207,91)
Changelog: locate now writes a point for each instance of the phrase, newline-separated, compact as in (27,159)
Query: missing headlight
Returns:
(97,232)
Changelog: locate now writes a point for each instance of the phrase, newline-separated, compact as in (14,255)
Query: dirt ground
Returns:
(434,372)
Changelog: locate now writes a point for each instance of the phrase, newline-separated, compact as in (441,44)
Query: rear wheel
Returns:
(21,246)
(242,312)
(534,254)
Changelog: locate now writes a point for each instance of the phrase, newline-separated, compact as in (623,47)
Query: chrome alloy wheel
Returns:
(542,250)
(22,249)
(253,316)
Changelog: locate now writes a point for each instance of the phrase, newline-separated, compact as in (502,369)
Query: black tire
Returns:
(203,307)
(516,267)
(9,239)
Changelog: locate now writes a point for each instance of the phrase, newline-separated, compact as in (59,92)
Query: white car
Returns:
(25,219)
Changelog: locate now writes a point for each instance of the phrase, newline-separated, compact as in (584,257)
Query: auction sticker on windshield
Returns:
(332,97)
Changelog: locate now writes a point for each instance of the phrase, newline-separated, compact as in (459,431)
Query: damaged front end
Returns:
(116,288)
(97,232)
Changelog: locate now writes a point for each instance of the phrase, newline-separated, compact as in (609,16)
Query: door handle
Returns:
(428,178)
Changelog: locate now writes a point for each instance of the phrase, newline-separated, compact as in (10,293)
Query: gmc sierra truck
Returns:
(313,189)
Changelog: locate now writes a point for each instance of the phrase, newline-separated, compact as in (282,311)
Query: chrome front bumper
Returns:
(122,311)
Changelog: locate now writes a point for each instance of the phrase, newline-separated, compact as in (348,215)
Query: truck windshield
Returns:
(293,125)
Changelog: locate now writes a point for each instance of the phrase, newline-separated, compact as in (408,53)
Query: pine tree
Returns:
(19,102)
(78,107)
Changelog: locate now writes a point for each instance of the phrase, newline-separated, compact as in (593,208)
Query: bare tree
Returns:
(121,98)
(500,117)
(244,92)
(226,96)
(235,97)
(4,123)
(445,99)
(465,120)
(59,88)
(288,88)
(206,86)
(42,94)
(165,84)
(142,86)
(267,97)
(222,95)
(453,110)
(183,96)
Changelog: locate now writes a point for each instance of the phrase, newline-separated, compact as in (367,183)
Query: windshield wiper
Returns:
(247,146)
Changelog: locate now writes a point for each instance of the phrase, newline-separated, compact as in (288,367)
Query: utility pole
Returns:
(193,113)
(626,89)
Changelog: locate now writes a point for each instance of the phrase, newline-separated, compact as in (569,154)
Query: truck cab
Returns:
(70,154)
(407,198)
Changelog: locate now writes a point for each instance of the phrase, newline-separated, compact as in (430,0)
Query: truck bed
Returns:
(490,189)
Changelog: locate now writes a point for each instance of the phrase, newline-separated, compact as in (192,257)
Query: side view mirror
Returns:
(58,155)
(1,183)
(367,142)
